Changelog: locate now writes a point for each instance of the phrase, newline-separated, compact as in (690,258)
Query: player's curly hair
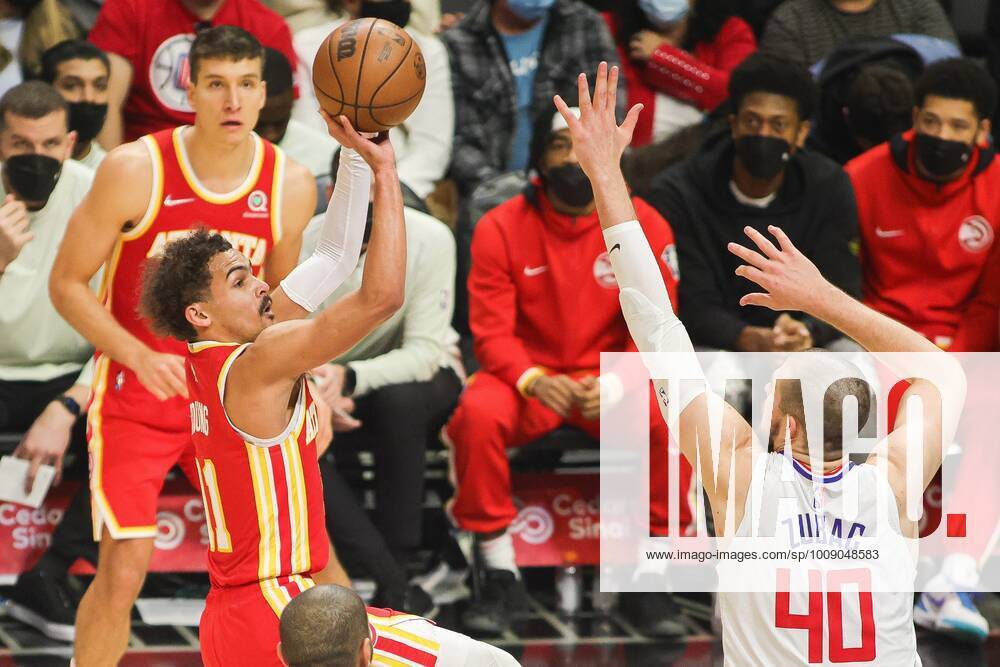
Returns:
(176,279)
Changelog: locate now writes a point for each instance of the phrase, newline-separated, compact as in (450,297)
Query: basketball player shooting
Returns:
(253,418)
(759,628)
(216,173)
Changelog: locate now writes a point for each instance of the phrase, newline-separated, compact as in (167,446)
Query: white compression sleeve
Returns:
(339,245)
(646,305)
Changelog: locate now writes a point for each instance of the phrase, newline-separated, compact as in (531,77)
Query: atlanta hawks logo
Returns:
(975,234)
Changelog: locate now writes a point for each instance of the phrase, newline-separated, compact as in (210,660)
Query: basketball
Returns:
(371,71)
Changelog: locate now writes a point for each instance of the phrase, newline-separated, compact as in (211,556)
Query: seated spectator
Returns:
(394,390)
(508,59)
(676,60)
(866,96)
(806,31)
(537,259)
(29,28)
(934,193)
(44,384)
(308,146)
(79,71)
(423,141)
(148,42)
(755,175)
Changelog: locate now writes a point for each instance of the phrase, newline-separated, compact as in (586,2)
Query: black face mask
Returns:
(941,157)
(763,157)
(570,185)
(86,119)
(32,177)
(394,11)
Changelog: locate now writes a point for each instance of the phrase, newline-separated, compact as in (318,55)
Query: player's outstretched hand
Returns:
(598,140)
(791,280)
(375,149)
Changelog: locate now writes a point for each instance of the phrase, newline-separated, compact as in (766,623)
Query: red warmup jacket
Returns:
(928,254)
(542,291)
(700,78)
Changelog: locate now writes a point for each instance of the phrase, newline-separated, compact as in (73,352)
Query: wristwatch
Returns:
(69,403)
(350,381)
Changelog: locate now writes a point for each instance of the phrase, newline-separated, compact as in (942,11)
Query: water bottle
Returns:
(569,589)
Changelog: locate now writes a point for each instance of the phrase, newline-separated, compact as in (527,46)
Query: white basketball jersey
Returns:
(836,622)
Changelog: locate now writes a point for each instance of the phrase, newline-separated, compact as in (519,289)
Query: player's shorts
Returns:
(240,624)
(128,463)
(133,440)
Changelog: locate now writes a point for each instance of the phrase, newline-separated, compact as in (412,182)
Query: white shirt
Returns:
(418,339)
(423,142)
(852,509)
(94,156)
(36,343)
(10,36)
(309,147)
(671,115)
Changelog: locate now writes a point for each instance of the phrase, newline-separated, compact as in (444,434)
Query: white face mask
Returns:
(663,12)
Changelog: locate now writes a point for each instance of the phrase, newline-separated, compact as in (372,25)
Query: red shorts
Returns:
(133,441)
(240,625)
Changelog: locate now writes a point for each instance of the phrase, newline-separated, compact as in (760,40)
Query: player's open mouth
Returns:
(231,123)
(265,306)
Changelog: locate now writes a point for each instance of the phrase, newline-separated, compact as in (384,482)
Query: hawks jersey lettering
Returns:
(843,619)
(249,217)
(401,639)
(263,499)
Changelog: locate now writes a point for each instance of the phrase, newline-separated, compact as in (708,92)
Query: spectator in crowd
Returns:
(934,193)
(79,71)
(394,390)
(303,14)
(543,306)
(508,59)
(755,175)
(29,28)
(303,143)
(677,58)
(806,31)
(423,141)
(148,42)
(44,383)
(866,96)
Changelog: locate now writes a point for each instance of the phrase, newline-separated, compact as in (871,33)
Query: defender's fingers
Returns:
(762,242)
(749,256)
(601,87)
(752,273)
(783,240)
(757,299)
(583,93)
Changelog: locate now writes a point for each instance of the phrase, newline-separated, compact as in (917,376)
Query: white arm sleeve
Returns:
(339,245)
(648,312)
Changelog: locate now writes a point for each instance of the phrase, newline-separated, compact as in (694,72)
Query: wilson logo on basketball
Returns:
(975,234)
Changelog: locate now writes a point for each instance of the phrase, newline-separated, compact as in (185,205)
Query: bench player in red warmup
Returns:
(759,627)
(146,193)
(252,417)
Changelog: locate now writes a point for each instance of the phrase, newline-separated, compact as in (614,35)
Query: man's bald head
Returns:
(326,626)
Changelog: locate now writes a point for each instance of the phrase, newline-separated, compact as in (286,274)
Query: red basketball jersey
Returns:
(249,217)
(263,498)
(402,639)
